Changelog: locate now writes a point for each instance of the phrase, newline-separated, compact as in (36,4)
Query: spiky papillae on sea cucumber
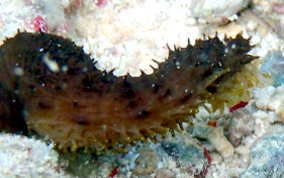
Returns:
(60,93)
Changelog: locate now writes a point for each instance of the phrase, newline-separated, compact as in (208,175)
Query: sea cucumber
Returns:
(50,87)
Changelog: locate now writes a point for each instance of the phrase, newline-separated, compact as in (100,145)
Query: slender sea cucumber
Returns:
(49,86)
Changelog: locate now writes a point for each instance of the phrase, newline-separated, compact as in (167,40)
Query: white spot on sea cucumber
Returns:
(85,69)
(64,68)
(178,65)
(18,71)
(226,50)
(51,64)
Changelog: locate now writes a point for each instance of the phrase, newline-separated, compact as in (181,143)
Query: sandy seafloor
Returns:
(126,35)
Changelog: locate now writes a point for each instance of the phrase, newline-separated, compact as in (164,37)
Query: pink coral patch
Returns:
(100,3)
(38,24)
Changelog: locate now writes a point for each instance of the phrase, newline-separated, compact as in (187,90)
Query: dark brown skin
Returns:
(11,116)
(79,106)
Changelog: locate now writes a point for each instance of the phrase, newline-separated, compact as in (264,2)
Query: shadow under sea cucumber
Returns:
(57,91)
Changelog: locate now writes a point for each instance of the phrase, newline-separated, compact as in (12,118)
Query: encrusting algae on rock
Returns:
(63,96)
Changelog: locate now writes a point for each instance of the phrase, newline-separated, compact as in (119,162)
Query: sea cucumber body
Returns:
(66,98)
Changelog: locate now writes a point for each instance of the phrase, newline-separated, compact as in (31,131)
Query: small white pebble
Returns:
(233,17)
(251,25)
(171,164)
(242,150)
(64,68)
(220,143)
